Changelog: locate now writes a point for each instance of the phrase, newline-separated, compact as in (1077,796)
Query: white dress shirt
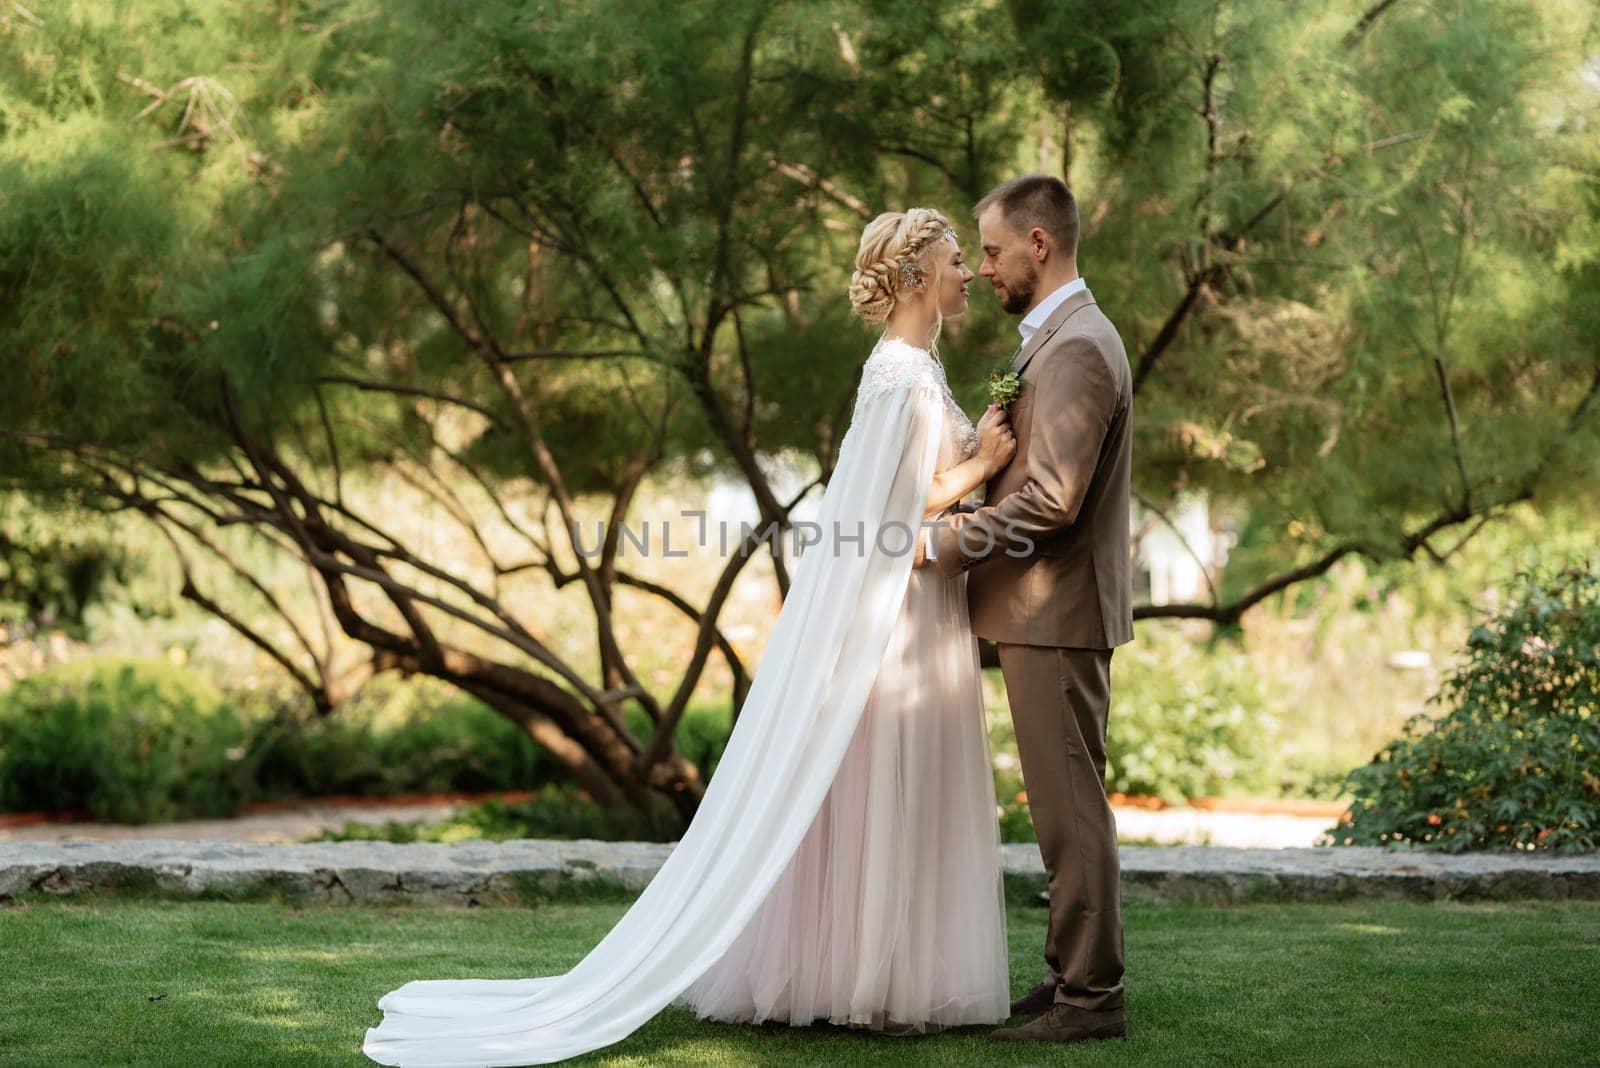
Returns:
(1045,308)
(1027,328)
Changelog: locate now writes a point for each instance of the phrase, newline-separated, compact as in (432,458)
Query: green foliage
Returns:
(558,812)
(702,734)
(392,737)
(1515,761)
(1347,199)
(1186,722)
(53,566)
(127,740)
(396,737)
(1357,258)
(1016,824)
(66,735)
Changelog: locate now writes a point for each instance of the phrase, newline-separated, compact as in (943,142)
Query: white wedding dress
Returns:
(844,864)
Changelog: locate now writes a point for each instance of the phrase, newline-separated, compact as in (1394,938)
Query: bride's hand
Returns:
(996,443)
(994,414)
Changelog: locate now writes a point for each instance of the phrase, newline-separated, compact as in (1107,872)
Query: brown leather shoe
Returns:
(1036,1000)
(1067,1023)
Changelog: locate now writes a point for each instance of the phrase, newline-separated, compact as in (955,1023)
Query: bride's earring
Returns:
(911,273)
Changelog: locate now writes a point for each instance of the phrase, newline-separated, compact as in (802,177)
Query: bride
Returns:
(844,864)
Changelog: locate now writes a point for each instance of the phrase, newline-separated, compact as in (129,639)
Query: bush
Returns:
(134,741)
(1016,822)
(402,736)
(66,735)
(557,812)
(1515,763)
(394,736)
(561,810)
(701,737)
(1187,722)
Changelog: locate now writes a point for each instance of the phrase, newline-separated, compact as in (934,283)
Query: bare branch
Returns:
(333,447)
(1370,16)
(316,689)
(1175,319)
(661,741)
(741,682)
(572,354)
(809,178)
(369,386)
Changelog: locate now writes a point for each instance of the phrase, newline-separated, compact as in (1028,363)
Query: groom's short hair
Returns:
(1041,200)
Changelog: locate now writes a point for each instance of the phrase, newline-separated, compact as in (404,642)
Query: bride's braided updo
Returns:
(890,240)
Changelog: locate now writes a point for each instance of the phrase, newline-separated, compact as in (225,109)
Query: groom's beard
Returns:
(1019,294)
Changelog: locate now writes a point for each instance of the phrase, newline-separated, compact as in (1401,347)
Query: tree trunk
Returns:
(674,782)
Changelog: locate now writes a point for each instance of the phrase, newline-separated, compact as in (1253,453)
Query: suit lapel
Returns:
(1058,318)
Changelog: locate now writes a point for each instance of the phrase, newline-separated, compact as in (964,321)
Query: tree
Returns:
(519,263)
(1363,316)
(458,261)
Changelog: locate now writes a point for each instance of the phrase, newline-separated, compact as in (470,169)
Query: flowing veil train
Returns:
(802,709)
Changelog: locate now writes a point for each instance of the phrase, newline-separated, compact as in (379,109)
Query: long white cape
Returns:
(802,709)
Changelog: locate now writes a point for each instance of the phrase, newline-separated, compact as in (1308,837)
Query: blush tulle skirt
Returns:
(891,914)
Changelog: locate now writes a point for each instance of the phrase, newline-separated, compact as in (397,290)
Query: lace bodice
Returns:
(895,364)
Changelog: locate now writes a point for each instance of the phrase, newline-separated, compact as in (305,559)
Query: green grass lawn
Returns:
(148,982)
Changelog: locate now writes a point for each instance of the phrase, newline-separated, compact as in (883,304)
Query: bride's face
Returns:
(954,274)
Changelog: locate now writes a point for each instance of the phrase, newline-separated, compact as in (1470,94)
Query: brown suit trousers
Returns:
(1059,700)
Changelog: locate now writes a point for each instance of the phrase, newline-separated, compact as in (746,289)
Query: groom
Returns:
(1050,583)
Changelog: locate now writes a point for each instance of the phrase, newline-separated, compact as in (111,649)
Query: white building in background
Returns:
(1177,551)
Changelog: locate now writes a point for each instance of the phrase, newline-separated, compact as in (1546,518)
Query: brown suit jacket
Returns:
(1059,572)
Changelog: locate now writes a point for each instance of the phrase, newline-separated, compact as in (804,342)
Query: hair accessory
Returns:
(910,273)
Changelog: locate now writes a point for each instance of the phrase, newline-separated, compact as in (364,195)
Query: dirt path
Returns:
(1262,825)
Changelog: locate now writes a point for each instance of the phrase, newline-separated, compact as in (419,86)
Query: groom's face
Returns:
(1008,262)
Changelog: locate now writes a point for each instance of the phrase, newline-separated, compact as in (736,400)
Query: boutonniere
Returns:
(1003,387)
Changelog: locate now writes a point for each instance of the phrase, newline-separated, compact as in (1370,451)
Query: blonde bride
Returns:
(844,864)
